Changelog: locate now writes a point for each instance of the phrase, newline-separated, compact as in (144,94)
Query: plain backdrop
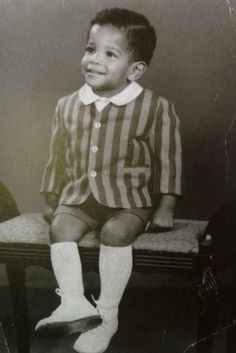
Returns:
(41,44)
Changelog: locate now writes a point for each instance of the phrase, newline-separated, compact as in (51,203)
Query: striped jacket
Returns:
(123,155)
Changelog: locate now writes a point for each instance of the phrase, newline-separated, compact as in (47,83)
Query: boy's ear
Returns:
(136,70)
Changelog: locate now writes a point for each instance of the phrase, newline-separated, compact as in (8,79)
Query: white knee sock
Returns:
(66,265)
(115,267)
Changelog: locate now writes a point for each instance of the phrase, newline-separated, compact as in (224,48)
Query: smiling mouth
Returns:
(94,72)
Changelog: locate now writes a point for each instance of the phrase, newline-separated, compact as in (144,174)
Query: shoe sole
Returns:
(64,328)
(88,351)
(101,351)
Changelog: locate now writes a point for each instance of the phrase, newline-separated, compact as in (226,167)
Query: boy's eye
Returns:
(111,54)
(89,49)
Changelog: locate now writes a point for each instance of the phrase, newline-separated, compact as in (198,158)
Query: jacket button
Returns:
(94,149)
(93,173)
(97,124)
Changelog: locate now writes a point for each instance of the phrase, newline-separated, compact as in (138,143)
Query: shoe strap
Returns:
(94,300)
(107,313)
(59,292)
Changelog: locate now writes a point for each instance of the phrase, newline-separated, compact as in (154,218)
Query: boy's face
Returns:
(107,62)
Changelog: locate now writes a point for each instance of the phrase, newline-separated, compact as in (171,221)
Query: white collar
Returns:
(87,96)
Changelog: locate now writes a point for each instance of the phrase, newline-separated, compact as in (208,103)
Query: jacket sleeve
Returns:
(167,151)
(54,174)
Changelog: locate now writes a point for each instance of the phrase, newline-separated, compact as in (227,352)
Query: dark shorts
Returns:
(95,214)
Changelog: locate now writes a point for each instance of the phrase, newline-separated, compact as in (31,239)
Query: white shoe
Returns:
(97,340)
(69,317)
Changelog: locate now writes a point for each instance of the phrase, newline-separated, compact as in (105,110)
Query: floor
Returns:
(158,314)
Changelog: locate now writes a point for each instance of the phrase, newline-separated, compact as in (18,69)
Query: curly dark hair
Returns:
(140,34)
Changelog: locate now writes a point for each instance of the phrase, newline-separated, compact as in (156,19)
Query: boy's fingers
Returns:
(47,218)
(147,226)
(152,227)
(157,228)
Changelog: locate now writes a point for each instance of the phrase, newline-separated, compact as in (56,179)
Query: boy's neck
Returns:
(110,94)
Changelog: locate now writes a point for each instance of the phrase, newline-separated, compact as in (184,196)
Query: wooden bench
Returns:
(24,242)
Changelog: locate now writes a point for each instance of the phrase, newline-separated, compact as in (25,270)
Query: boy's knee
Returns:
(113,235)
(66,228)
(120,231)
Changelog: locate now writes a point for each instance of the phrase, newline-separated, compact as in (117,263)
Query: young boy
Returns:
(114,146)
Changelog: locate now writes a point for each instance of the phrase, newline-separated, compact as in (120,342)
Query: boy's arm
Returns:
(51,200)
(54,172)
(168,167)
(163,217)
(51,203)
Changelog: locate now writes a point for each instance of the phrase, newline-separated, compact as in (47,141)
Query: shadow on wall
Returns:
(8,207)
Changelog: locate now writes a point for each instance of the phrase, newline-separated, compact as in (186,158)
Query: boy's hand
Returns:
(48,213)
(50,206)
(162,221)
(163,218)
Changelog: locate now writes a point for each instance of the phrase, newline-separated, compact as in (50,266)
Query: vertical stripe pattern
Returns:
(122,155)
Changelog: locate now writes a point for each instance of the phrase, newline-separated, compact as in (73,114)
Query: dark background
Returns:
(41,44)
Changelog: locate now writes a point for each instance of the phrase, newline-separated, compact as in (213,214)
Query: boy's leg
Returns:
(75,313)
(115,266)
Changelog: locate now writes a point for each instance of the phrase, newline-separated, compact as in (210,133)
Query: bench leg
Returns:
(207,326)
(231,336)
(16,276)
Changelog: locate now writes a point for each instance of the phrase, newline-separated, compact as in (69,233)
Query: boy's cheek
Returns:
(83,63)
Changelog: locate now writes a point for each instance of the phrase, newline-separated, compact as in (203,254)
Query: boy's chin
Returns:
(100,91)
(95,86)
(103,90)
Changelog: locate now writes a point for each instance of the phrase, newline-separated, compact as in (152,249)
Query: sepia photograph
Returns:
(118,176)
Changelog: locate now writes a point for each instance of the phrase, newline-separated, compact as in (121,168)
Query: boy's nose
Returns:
(96,57)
